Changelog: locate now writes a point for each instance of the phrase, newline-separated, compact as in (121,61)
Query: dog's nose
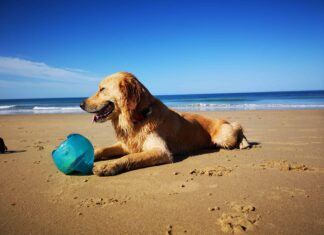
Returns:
(82,105)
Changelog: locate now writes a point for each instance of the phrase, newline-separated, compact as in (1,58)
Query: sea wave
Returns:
(56,108)
(7,106)
(13,109)
(41,110)
(44,110)
(211,107)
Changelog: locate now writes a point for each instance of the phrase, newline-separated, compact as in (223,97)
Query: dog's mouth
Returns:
(104,113)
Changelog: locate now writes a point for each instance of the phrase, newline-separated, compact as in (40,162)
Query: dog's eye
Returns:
(101,89)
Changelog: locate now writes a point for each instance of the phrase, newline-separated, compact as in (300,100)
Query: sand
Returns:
(277,187)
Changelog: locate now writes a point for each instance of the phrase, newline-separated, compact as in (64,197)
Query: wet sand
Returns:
(276,187)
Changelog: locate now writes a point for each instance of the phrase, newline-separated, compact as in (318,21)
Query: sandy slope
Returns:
(276,187)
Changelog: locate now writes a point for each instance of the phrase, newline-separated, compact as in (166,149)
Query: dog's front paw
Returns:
(98,154)
(107,169)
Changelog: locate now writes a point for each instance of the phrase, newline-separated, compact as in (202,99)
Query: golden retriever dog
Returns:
(148,132)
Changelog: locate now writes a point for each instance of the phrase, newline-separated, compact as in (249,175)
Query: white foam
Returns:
(56,108)
(210,107)
(10,110)
(44,110)
(7,106)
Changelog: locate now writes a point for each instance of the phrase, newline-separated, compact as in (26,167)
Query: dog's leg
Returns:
(132,161)
(109,152)
(230,135)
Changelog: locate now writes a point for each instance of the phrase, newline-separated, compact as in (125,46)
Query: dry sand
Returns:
(277,187)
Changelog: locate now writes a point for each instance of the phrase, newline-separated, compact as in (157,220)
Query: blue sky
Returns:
(63,48)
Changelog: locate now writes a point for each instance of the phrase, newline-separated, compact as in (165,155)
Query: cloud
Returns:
(25,68)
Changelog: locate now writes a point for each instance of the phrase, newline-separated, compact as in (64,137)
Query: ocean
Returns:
(194,102)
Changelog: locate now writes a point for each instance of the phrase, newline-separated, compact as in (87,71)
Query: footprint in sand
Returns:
(49,178)
(189,185)
(169,230)
(279,193)
(39,145)
(100,202)
(241,218)
(212,171)
(284,165)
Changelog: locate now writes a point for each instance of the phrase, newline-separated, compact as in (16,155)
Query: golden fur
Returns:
(148,132)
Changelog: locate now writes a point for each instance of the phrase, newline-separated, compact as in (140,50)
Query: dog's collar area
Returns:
(138,117)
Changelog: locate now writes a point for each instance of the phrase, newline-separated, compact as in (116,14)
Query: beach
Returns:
(276,187)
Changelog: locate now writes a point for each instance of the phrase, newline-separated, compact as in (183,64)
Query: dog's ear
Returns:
(136,99)
(132,92)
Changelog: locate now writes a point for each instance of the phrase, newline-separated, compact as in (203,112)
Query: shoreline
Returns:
(278,184)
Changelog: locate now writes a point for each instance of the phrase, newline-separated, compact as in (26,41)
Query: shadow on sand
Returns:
(181,157)
(13,151)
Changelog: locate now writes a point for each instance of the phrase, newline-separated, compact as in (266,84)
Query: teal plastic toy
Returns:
(74,156)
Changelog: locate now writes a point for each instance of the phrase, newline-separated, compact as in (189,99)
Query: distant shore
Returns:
(276,187)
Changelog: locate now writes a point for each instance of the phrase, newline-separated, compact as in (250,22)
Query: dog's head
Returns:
(118,94)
